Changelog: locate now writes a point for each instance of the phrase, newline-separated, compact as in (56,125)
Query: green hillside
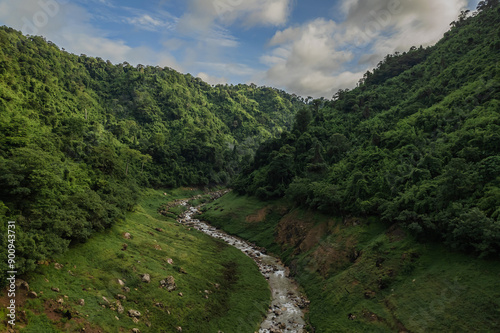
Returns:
(80,136)
(417,143)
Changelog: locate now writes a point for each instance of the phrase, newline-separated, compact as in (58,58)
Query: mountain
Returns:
(417,143)
(80,136)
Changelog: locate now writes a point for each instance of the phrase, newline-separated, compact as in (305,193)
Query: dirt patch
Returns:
(395,233)
(292,230)
(259,216)
(313,237)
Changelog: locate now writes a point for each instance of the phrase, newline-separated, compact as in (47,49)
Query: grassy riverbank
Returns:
(221,288)
(365,276)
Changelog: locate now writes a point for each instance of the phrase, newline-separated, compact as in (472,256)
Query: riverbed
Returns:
(286,312)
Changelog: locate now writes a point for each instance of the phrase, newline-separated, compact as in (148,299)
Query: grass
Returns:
(230,210)
(237,294)
(364,276)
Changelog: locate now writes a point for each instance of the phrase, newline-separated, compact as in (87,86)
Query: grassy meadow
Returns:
(217,286)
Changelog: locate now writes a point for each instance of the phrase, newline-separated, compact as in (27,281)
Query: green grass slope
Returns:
(221,288)
(362,275)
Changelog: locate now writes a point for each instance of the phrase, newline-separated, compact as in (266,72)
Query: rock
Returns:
(124,246)
(146,278)
(126,289)
(81,302)
(55,289)
(157,247)
(120,309)
(105,300)
(122,297)
(181,270)
(180,294)
(121,283)
(135,330)
(134,313)
(58,266)
(22,285)
(159,229)
(60,301)
(170,261)
(168,283)
(127,235)
(116,317)
(32,294)
(135,320)
(179,329)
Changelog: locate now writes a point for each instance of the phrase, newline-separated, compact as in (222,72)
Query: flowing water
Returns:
(285,314)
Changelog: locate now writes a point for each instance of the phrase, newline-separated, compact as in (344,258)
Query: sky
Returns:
(310,48)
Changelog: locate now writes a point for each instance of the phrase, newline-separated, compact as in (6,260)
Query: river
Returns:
(286,312)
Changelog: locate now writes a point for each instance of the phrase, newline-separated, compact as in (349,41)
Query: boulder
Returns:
(170,261)
(55,289)
(127,235)
(168,283)
(81,302)
(22,285)
(133,313)
(32,294)
(120,308)
(58,266)
(146,278)
(121,283)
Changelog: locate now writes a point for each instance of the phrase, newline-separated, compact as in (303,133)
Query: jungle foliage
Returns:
(80,136)
(417,142)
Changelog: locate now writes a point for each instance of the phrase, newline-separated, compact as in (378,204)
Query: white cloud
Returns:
(203,14)
(311,59)
(146,22)
(211,79)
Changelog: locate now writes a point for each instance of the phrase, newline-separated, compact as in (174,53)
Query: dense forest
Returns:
(80,136)
(417,142)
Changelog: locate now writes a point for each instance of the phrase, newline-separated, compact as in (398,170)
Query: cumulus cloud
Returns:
(310,59)
(202,14)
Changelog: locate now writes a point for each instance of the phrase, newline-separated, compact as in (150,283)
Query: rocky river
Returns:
(286,312)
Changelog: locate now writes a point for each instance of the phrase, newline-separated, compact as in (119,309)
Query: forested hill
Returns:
(417,142)
(79,136)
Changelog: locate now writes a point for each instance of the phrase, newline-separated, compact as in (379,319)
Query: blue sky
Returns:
(311,48)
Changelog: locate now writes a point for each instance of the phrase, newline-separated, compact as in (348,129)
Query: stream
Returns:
(286,312)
